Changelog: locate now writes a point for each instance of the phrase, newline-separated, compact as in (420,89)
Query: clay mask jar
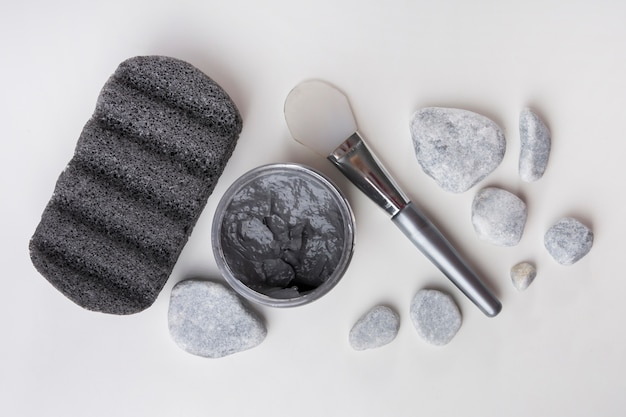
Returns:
(283,235)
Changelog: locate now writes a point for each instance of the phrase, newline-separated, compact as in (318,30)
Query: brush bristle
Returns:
(319,116)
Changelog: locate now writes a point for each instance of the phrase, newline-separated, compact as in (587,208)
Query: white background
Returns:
(557,349)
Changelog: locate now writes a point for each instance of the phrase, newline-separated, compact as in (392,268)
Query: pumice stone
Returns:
(535,145)
(568,240)
(436,316)
(144,166)
(209,319)
(376,328)
(457,148)
(498,216)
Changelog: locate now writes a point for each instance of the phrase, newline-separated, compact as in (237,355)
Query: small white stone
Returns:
(374,329)
(498,216)
(535,144)
(568,240)
(209,319)
(436,316)
(522,275)
(457,148)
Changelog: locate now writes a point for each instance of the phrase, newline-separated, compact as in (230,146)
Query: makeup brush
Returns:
(319,117)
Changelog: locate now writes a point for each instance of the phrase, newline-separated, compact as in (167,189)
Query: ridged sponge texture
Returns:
(144,166)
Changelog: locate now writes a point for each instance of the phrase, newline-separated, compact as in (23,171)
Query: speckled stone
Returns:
(436,316)
(457,148)
(522,275)
(535,142)
(209,319)
(374,329)
(568,240)
(498,216)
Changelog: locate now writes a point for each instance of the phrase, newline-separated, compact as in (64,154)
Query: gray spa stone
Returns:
(522,275)
(457,148)
(209,319)
(436,316)
(568,240)
(535,145)
(374,329)
(498,216)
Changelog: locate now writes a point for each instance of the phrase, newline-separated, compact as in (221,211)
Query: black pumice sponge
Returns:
(144,167)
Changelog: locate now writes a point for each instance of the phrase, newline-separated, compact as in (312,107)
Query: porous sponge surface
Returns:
(144,166)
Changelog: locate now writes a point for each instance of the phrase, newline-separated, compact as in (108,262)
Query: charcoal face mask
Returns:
(283,235)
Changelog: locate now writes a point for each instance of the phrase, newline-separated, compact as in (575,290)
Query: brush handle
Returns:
(360,166)
(439,251)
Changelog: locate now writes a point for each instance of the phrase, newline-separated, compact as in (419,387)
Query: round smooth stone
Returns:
(457,148)
(535,144)
(568,240)
(522,275)
(376,328)
(209,319)
(498,216)
(436,316)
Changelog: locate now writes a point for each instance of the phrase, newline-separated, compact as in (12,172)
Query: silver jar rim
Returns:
(347,217)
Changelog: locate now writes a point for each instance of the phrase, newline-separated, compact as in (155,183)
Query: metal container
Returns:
(280,220)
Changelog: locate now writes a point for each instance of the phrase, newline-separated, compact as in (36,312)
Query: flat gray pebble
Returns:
(568,240)
(457,148)
(498,216)
(376,328)
(209,319)
(436,316)
(535,144)
(522,275)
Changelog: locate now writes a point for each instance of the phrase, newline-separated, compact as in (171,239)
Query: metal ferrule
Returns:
(361,167)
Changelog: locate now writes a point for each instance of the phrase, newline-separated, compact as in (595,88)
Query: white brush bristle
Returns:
(319,116)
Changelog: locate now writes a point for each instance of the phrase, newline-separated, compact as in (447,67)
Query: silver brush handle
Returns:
(360,166)
(440,252)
